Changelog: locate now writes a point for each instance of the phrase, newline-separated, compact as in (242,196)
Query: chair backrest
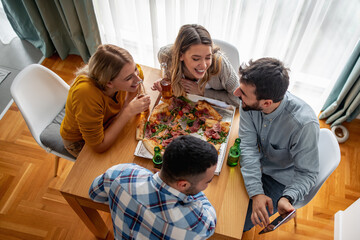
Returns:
(230,51)
(346,224)
(329,157)
(40,94)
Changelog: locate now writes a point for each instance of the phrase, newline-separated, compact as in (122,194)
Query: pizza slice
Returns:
(218,126)
(159,109)
(140,128)
(162,139)
(206,110)
(216,132)
(209,123)
(225,127)
(150,144)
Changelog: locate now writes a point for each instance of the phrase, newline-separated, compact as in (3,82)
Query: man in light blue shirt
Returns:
(279,137)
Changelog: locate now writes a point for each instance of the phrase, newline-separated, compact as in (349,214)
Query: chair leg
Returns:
(56,165)
(295,220)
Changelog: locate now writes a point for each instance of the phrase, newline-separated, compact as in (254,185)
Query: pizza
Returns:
(181,116)
(141,124)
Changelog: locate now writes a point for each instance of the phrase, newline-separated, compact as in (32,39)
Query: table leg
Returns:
(89,216)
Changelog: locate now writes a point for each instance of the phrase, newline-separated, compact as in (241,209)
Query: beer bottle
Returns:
(234,153)
(166,91)
(157,159)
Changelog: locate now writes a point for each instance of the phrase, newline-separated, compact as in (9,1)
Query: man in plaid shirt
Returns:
(165,205)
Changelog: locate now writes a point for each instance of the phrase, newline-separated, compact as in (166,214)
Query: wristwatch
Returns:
(291,201)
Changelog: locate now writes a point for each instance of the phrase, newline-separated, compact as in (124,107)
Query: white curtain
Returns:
(313,38)
(6,31)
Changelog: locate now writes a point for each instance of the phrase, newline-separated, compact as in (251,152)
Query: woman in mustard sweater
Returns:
(103,94)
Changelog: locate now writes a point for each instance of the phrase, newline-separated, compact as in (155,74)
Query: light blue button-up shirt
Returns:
(283,145)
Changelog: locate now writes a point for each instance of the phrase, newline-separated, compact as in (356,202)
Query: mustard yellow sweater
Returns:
(87,110)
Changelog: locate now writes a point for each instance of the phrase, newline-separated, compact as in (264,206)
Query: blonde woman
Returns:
(196,66)
(103,94)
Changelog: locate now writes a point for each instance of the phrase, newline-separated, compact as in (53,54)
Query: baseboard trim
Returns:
(41,60)
(6,108)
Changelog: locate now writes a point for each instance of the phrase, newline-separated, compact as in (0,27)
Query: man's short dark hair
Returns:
(268,75)
(187,157)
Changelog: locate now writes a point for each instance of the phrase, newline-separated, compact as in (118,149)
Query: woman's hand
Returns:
(138,105)
(157,86)
(115,126)
(191,87)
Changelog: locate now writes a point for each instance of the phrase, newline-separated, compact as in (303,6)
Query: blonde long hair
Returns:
(189,35)
(105,64)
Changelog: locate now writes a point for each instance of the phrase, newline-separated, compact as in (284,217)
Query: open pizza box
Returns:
(226,111)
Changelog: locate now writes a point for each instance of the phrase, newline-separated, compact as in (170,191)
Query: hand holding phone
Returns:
(277,222)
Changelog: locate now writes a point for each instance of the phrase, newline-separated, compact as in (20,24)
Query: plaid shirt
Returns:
(144,207)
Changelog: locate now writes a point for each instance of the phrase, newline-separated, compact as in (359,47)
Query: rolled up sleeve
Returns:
(250,155)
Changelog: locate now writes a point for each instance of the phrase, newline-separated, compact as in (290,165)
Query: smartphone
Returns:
(277,222)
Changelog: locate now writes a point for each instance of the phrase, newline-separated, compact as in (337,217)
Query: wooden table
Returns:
(226,192)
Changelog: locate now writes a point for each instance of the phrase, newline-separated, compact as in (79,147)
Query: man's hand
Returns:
(259,214)
(284,207)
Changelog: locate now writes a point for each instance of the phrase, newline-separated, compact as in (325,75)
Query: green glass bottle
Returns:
(157,159)
(234,153)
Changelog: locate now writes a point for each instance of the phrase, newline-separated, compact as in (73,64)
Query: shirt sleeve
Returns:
(100,187)
(88,107)
(306,161)
(207,217)
(222,95)
(229,80)
(250,154)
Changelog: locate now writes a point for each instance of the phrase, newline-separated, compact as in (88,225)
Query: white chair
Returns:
(230,51)
(40,95)
(346,225)
(329,159)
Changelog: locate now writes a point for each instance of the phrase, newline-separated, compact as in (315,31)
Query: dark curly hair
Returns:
(269,76)
(186,157)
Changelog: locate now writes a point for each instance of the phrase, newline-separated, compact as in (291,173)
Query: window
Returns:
(7,33)
(314,38)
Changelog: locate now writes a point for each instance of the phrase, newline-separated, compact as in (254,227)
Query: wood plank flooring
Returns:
(31,206)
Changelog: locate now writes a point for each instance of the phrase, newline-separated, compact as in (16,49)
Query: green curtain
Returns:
(343,103)
(64,26)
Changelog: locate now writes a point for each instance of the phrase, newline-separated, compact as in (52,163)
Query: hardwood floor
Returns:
(31,206)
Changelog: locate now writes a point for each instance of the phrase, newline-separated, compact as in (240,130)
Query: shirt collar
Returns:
(161,186)
(278,110)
